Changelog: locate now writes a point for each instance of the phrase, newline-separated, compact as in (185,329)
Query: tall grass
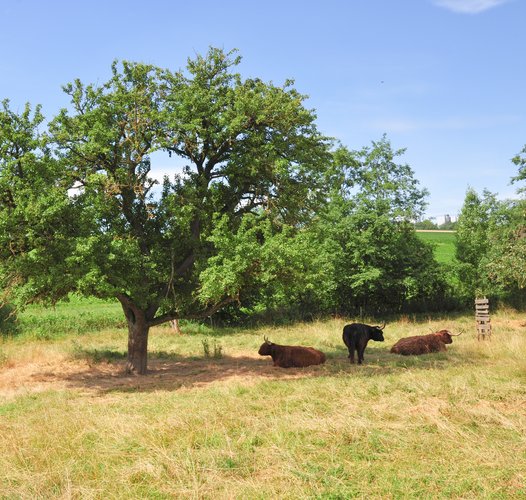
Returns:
(436,426)
(77,316)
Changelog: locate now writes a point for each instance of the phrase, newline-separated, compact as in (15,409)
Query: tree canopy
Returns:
(379,264)
(254,163)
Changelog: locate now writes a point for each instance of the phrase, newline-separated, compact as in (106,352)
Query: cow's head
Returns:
(376,333)
(445,336)
(264,350)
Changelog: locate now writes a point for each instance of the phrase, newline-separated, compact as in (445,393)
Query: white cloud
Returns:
(469,6)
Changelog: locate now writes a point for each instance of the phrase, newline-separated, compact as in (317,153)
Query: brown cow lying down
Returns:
(289,356)
(423,344)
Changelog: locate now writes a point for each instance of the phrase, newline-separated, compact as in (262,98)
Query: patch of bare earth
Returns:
(62,373)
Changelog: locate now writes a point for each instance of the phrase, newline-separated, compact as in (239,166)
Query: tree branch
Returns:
(200,315)
(185,265)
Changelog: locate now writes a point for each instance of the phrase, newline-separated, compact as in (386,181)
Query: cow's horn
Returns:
(381,327)
(267,341)
(456,334)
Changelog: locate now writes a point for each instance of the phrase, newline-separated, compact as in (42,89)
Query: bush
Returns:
(8,320)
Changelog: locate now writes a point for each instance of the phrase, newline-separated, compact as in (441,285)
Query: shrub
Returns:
(8,320)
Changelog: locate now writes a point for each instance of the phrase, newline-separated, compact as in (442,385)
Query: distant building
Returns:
(436,220)
(440,220)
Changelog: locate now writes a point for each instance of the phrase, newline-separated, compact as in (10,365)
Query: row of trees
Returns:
(428,224)
(266,214)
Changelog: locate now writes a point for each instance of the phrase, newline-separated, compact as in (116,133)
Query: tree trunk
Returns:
(140,320)
(176,327)
(138,329)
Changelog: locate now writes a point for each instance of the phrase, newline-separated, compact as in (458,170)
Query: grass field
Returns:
(72,425)
(444,243)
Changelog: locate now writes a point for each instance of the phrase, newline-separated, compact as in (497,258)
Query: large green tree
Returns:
(473,225)
(386,266)
(477,219)
(377,261)
(506,261)
(254,165)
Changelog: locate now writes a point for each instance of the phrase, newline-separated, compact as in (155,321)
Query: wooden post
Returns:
(482,318)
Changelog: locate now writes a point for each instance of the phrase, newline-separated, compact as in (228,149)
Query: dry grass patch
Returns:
(446,425)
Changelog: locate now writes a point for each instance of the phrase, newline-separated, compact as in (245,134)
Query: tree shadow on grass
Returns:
(170,372)
(104,371)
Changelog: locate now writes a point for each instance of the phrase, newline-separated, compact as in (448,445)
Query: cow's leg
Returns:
(352,347)
(361,350)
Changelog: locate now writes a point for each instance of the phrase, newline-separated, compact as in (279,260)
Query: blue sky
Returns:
(445,79)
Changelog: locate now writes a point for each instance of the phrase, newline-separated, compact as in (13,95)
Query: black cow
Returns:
(356,336)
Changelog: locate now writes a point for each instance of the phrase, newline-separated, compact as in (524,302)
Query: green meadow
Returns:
(443,242)
(212,419)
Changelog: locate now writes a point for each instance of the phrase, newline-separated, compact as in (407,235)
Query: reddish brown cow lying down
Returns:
(423,344)
(289,356)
